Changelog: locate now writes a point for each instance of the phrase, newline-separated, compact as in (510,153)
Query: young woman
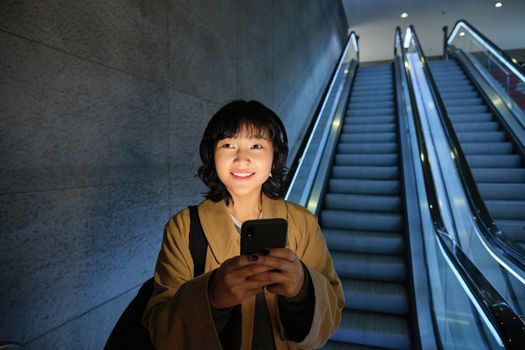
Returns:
(290,298)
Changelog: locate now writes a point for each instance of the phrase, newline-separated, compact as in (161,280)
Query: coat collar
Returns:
(223,238)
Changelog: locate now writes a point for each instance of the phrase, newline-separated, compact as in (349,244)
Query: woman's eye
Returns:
(226,145)
(257,146)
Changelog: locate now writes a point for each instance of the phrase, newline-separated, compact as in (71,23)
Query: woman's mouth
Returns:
(242,174)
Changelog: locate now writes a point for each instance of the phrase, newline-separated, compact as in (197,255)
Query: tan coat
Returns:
(178,314)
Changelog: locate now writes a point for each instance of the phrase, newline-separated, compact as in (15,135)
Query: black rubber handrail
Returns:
(493,46)
(505,321)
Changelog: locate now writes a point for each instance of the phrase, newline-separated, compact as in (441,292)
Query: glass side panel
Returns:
(506,283)
(304,176)
(459,323)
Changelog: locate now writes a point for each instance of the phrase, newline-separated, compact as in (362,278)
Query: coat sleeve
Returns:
(178,314)
(329,295)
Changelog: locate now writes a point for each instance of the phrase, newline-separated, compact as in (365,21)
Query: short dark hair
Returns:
(228,122)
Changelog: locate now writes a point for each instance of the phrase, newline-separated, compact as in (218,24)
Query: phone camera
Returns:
(249,232)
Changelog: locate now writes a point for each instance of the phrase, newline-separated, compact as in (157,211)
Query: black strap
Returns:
(198,242)
(129,333)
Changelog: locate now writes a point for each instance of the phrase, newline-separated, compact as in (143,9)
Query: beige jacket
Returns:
(178,314)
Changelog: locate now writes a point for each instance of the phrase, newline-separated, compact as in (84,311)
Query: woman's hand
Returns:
(232,282)
(285,276)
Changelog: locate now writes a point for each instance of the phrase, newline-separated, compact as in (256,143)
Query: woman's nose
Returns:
(242,156)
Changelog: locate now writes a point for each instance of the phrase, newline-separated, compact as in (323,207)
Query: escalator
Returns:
(365,172)
(362,218)
(495,161)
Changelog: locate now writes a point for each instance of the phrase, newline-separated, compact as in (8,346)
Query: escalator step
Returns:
(373,89)
(464,94)
(476,136)
(365,242)
(501,161)
(365,105)
(387,119)
(366,172)
(453,81)
(510,175)
(338,219)
(366,159)
(361,186)
(390,268)
(513,229)
(475,127)
(378,330)
(386,147)
(375,296)
(370,98)
(502,191)
(378,79)
(455,89)
(455,77)
(472,117)
(369,137)
(384,82)
(376,76)
(446,70)
(467,109)
(367,203)
(366,128)
(367,94)
(473,101)
(360,112)
(472,148)
(506,209)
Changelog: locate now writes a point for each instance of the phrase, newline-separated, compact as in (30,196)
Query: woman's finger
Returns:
(283,253)
(278,263)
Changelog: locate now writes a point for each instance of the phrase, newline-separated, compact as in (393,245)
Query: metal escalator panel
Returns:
(498,169)
(362,219)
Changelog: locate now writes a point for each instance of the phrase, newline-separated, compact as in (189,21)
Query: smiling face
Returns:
(243,162)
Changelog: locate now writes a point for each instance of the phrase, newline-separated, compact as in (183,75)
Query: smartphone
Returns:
(262,234)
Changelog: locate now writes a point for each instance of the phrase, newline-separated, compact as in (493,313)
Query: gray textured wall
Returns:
(102,105)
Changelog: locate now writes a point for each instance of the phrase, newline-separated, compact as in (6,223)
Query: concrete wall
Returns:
(102,105)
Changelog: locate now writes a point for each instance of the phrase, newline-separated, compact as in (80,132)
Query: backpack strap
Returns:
(198,242)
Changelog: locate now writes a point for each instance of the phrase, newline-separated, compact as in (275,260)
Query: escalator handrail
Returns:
(503,319)
(499,53)
(499,243)
(424,327)
(352,41)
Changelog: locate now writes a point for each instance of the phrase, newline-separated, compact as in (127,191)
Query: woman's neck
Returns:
(246,208)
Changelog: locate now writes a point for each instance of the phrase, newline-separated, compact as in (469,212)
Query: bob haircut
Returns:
(228,122)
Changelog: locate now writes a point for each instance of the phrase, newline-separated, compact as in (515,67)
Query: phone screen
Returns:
(262,234)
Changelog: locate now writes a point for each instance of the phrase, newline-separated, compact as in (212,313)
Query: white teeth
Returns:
(242,174)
